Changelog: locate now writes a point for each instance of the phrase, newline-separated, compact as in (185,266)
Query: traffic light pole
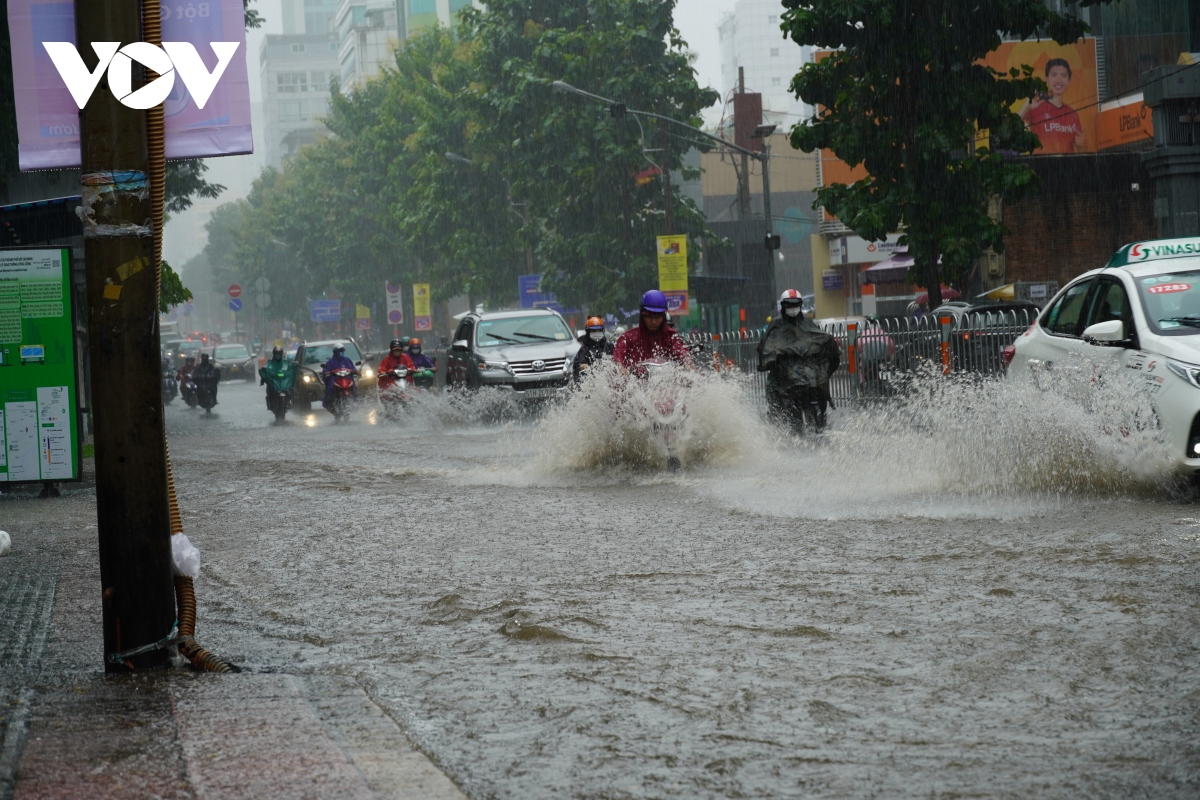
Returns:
(132,506)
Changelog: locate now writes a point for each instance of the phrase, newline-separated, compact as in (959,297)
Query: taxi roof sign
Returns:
(1154,250)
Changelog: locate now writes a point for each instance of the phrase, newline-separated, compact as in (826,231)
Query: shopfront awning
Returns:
(893,269)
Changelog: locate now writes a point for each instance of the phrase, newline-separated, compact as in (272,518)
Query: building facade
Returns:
(368,35)
(295,70)
(417,15)
(751,39)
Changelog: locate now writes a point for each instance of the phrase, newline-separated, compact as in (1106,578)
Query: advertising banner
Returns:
(395,303)
(39,434)
(48,115)
(673,272)
(362,317)
(422,317)
(1123,121)
(1064,116)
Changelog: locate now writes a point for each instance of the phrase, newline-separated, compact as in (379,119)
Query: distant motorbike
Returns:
(279,399)
(278,402)
(342,402)
(170,387)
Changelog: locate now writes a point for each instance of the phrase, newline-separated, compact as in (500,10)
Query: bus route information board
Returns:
(38,392)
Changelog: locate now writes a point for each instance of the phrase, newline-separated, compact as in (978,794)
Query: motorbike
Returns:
(395,398)
(278,402)
(342,401)
(666,409)
(206,395)
(187,390)
(170,387)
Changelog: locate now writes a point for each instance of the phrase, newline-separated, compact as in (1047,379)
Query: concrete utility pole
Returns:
(132,505)
(668,206)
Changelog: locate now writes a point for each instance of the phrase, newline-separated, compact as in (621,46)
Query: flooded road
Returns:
(947,613)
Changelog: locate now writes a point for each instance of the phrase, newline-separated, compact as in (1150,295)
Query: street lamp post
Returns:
(522,214)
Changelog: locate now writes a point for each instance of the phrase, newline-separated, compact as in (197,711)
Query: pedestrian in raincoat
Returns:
(799,359)
(595,348)
(338,361)
(653,338)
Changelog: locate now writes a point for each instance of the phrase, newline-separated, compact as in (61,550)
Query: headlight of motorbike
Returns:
(1189,372)
(493,365)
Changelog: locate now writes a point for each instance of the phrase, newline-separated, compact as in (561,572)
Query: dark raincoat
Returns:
(590,354)
(796,354)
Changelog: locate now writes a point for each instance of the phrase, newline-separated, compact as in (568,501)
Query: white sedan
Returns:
(1139,317)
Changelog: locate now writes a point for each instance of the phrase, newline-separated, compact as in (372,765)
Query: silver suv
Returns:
(528,353)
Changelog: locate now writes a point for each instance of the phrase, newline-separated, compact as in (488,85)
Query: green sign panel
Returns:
(38,391)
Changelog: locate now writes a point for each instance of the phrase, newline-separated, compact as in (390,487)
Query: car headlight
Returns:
(367,373)
(308,379)
(493,365)
(1189,372)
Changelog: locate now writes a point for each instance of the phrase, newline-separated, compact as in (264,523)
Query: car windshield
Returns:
(189,347)
(320,353)
(1171,302)
(521,330)
(232,351)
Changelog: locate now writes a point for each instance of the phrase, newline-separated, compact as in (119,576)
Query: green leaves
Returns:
(906,99)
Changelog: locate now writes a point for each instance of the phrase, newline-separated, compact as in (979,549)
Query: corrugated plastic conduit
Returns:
(185,590)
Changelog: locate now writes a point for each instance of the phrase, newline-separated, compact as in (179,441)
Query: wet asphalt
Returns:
(545,615)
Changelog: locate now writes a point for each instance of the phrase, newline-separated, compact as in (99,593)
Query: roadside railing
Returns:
(878,356)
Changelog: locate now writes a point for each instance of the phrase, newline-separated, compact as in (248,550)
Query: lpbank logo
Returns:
(172,58)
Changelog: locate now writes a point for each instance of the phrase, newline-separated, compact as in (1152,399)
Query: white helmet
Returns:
(789,297)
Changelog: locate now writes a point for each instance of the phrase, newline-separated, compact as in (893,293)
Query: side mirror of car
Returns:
(459,346)
(358,363)
(1110,333)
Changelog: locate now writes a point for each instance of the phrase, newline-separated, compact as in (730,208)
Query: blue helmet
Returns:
(655,302)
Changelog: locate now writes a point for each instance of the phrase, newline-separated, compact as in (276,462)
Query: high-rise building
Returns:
(417,15)
(296,70)
(367,36)
(751,39)
(307,16)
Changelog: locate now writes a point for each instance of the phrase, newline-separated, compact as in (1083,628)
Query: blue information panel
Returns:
(325,310)
(529,289)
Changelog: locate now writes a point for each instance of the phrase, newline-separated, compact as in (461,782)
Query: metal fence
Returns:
(879,357)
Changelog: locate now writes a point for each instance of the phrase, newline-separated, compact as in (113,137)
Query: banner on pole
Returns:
(672,272)
(422,317)
(48,116)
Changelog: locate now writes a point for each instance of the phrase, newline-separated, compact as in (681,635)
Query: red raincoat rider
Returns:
(395,358)
(653,338)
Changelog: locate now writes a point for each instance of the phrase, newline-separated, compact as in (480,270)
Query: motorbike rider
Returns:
(596,347)
(799,359)
(396,357)
(185,372)
(207,375)
(278,372)
(419,359)
(338,360)
(653,337)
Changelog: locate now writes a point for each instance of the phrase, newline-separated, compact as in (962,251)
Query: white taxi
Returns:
(1140,314)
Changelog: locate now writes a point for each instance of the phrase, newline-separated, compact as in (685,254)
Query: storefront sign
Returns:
(856,250)
(832,280)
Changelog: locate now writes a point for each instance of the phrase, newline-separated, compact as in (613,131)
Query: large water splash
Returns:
(945,447)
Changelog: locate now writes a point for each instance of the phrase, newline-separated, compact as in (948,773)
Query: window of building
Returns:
(293,111)
(771,20)
(774,51)
(776,81)
(319,81)
(291,82)
(297,48)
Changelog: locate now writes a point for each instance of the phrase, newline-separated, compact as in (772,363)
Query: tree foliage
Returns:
(903,95)
(542,171)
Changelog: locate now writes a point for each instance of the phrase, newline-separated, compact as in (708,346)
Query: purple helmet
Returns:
(655,302)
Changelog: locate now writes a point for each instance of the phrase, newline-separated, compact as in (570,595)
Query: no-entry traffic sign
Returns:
(235,290)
